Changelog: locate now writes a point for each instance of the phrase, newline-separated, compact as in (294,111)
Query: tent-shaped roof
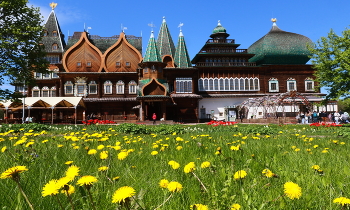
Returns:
(46,102)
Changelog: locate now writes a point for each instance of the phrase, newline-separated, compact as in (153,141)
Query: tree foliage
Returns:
(20,51)
(331,59)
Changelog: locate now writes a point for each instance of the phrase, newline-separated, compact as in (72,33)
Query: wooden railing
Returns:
(119,117)
(224,50)
(226,64)
(221,41)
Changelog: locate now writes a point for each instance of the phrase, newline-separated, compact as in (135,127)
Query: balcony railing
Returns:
(226,64)
(224,50)
(221,41)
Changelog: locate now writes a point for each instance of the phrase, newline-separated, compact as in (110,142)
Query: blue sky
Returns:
(245,21)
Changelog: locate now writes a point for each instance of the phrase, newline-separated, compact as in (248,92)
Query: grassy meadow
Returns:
(174,167)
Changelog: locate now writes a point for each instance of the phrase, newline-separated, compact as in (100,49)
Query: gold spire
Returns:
(53,5)
(274,20)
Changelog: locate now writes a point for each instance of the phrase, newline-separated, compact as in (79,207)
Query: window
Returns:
(53,59)
(80,86)
(128,64)
(273,85)
(80,89)
(228,84)
(46,76)
(53,91)
(68,88)
(54,74)
(117,64)
(200,85)
(54,47)
(37,75)
(54,33)
(45,33)
(309,84)
(291,85)
(78,64)
(132,87)
(45,91)
(36,91)
(108,87)
(88,64)
(183,85)
(120,87)
(92,87)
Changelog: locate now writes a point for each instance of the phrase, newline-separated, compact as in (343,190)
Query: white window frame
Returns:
(53,91)
(35,90)
(120,87)
(107,87)
(309,80)
(273,81)
(45,92)
(80,87)
(183,85)
(68,86)
(289,82)
(132,87)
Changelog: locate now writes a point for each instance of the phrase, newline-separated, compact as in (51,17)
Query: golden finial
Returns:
(274,20)
(53,5)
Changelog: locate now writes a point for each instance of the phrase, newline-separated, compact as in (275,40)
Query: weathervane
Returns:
(53,5)
(151,25)
(123,28)
(180,25)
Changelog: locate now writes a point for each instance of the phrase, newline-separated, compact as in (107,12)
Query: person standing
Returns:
(154,117)
(336,117)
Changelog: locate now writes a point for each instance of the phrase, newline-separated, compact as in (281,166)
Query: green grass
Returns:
(289,151)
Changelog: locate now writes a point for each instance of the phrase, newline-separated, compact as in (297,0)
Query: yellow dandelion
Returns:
(292,190)
(163,183)
(20,142)
(104,155)
(3,149)
(103,168)
(116,178)
(13,172)
(154,153)
(268,173)
(72,172)
(235,148)
(68,162)
(179,148)
(86,180)
(51,188)
(342,201)
(205,164)
(100,147)
(122,155)
(174,164)
(199,207)
(92,152)
(174,186)
(235,206)
(68,190)
(122,194)
(240,174)
(316,167)
(190,167)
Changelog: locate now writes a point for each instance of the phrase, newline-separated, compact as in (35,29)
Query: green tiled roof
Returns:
(48,40)
(219,29)
(152,54)
(182,59)
(280,47)
(165,43)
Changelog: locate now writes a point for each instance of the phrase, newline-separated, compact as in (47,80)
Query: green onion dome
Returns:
(280,47)
(219,32)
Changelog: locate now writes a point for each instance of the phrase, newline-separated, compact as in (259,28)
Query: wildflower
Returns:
(100,147)
(235,148)
(190,167)
(240,174)
(174,164)
(104,155)
(342,201)
(68,162)
(199,207)
(218,151)
(316,167)
(86,180)
(179,148)
(19,142)
(3,149)
(122,155)
(68,190)
(103,168)
(122,194)
(13,172)
(116,178)
(72,172)
(92,152)
(154,153)
(235,206)
(205,164)
(268,173)
(292,190)
(174,187)
(51,188)
(163,183)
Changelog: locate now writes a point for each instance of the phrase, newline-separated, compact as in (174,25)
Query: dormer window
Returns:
(88,64)
(54,33)
(45,33)
(54,47)
(117,64)
(78,64)
(128,64)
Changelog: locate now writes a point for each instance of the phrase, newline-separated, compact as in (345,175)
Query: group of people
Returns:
(315,117)
(29,120)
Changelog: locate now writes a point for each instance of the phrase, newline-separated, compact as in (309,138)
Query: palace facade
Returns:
(108,77)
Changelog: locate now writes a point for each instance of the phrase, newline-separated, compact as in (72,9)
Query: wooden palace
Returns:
(109,78)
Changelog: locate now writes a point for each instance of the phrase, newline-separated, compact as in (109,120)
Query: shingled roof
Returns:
(165,43)
(53,35)
(182,59)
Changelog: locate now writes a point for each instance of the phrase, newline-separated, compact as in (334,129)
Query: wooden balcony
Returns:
(221,41)
(225,64)
(224,50)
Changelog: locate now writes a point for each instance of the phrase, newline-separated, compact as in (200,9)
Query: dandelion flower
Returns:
(174,164)
(104,155)
(68,162)
(292,190)
(72,172)
(342,201)
(199,207)
(123,193)
(240,174)
(154,153)
(92,152)
(68,190)
(316,167)
(13,172)
(86,180)
(122,155)
(205,164)
(174,187)
(179,148)
(163,183)
(51,188)
(235,206)
(103,168)
(268,173)
(3,149)
(190,167)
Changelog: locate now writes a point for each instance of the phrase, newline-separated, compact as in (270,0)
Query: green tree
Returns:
(331,59)
(20,51)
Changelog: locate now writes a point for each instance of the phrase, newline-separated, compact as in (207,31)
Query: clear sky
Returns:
(245,21)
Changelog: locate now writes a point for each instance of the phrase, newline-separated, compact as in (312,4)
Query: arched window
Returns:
(108,87)
(45,91)
(45,33)
(132,87)
(54,33)
(251,84)
(241,84)
(232,84)
(183,85)
(216,84)
(200,84)
(36,91)
(92,87)
(227,84)
(237,84)
(55,47)
(246,83)
(256,84)
(53,91)
(120,87)
(221,84)
(206,84)
(211,84)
